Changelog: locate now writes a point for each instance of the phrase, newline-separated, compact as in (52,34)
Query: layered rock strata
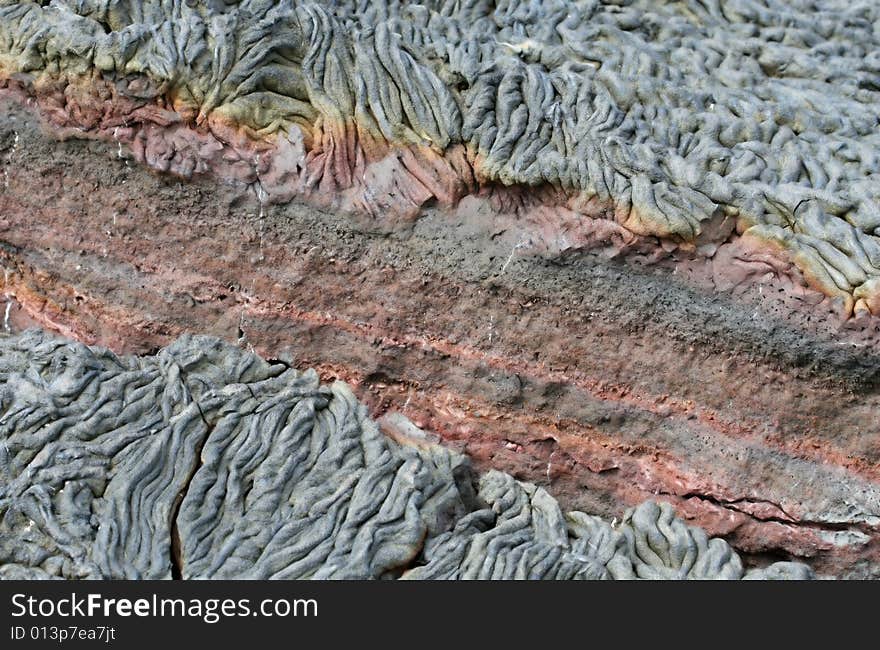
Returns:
(606,383)
(620,293)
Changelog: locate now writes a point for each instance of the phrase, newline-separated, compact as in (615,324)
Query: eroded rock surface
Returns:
(204,461)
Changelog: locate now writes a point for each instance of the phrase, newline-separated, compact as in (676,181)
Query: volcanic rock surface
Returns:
(204,461)
(621,250)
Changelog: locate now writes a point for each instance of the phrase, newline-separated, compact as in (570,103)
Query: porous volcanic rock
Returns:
(621,250)
(205,461)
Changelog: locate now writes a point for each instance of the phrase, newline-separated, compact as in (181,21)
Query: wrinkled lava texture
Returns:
(623,251)
(205,461)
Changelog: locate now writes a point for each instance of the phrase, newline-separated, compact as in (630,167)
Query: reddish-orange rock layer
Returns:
(609,381)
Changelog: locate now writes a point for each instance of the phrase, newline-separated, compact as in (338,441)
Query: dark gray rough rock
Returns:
(205,461)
